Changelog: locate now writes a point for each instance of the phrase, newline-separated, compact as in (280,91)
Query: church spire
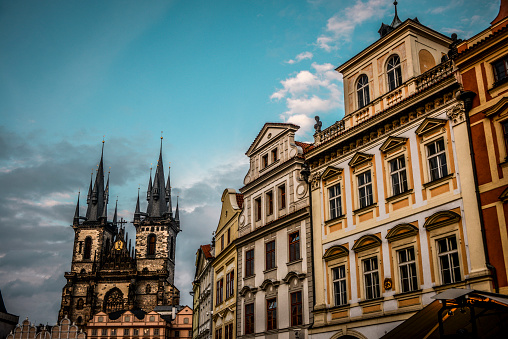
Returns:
(96,202)
(76,213)
(106,200)
(137,213)
(157,206)
(177,213)
(168,193)
(115,216)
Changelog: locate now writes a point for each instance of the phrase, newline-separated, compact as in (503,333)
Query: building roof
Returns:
(2,305)
(267,125)
(207,251)
(239,200)
(305,146)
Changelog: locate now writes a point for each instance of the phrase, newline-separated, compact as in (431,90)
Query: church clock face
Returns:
(118,245)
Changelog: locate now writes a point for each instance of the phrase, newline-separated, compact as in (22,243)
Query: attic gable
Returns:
(360,158)
(430,124)
(269,132)
(229,207)
(391,143)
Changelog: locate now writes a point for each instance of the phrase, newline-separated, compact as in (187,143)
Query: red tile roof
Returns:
(206,251)
(239,200)
(305,146)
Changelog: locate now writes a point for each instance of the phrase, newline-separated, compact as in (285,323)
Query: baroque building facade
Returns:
(107,273)
(273,249)
(394,209)
(202,291)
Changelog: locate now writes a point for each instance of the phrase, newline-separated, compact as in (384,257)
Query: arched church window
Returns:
(148,289)
(107,245)
(80,304)
(113,301)
(83,271)
(362,91)
(88,248)
(151,244)
(394,72)
(171,249)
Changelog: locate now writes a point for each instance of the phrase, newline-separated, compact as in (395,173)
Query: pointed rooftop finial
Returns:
(76,213)
(177,213)
(396,21)
(115,216)
(149,190)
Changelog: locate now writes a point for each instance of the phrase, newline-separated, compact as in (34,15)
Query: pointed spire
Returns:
(157,206)
(115,216)
(96,199)
(177,213)
(76,212)
(149,190)
(106,199)
(137,212)
(168,192)
(396,21)
(89,196)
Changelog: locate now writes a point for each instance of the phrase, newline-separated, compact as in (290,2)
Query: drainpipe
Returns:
(305,173)
(467,97)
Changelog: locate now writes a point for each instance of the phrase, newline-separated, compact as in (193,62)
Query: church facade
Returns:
(108,274)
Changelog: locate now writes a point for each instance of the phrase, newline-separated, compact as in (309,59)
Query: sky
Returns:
(206,75)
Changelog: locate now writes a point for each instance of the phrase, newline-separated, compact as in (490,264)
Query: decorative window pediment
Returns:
(401,231)
(246,289)
(391,143)
(334,252)
(366,242)
(291,275)
(268,282)
(500,108)
(360,158)
(331,171)
(430,124)
(441,219)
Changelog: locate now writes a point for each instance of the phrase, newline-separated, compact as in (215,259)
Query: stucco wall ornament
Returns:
(457,113)
(315,179)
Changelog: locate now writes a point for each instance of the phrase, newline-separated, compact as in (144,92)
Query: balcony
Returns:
(433,75)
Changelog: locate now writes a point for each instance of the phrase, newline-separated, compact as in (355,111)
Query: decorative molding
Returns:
(428,125)
(391,143)
(457,113)
(360,158)
(366,242)
(331,171)
(441,219)
(292,274)
(501,105)
(268,282)
(401,231)
(247,289)
(334,252)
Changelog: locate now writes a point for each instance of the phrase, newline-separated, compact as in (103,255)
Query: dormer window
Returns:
(264,160)
(362,90)
(394,72)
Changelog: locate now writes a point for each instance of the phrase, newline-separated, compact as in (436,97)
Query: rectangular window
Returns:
(398,175)
(229,329)
(365,189)
(226,332)
(274,155)
(257,203)
(407,270)
(335,201)
(218,333)
(227,286)
(249,318)
(500,69)
(264,160)
(282,196)
(505,135)
(371,278)
(296,308)
(339,285)
(271,314)
(113,331)
(249,263)
(177,334)
(222,242)
(155,331)
(104,331)
(136,331)
(436,157)
(448,255)
(94,331)
(270,255)
(125,331)
(220,287)
(294,246)
(229,235)
(269,203)
(230,280)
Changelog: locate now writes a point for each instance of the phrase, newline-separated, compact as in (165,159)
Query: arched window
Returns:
(362,90)
(80,304)
(151,244)
(80,320)
(88,248)
(171,249)
(394,72)
(148,289)
(113,301)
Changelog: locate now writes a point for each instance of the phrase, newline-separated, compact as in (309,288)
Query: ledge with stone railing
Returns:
(330,132)
(433,75)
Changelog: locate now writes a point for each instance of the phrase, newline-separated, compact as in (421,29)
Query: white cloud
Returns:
(340,27)
(300,57)
(452,4)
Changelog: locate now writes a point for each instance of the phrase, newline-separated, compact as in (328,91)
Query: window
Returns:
(365,189)
(505,134)
(269,203)
(257,202)
(94,331)
(125,331)
(271,314)
(282,196)
(218,333)
(296,308)
(500,69)
(113,301)
(371,278)
(136,331)
(220,286)
(294,246)
(274,155)
(394,72)
(104,331)
(113,331)
(80,304)
(190,333)
(155,331)
(177,334)
(264,160)
(448,255)
(88,248)
(398,175)
(127,317)
(228,331)
(100,319)
(436,157)
(185,320)
(407,270)
(80,320)
(222,242)
(229,235)
(249,318)
(171,248)
(270,255)
(230,280)
(339,285)
(148,289)
(362,90)
(151,244)
(249,263)
(335,201)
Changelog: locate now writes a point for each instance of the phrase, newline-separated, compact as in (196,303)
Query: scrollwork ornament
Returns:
(457,113)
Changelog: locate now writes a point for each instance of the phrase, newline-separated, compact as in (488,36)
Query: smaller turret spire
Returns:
(149,191)
(168,192)
(89,196)
(76,213)
(177,213)
(137,212)
(115,216)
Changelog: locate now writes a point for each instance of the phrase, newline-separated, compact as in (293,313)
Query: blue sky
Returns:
(208,74)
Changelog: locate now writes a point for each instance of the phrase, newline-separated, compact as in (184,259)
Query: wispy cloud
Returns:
(300,57)
(441,9)
(341,26)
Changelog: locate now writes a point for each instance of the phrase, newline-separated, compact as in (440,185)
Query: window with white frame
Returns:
(371,278)
(448,255)
(394,72)
(398,175)
(407,270)
(436,157)
(339,285)
(335,201)
(365,189)
(362,91)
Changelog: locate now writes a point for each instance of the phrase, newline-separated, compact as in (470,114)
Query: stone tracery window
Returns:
(113,301)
